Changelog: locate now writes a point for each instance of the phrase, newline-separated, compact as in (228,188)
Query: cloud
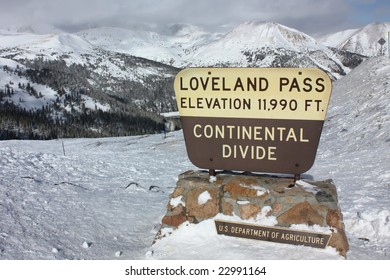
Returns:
(313,16)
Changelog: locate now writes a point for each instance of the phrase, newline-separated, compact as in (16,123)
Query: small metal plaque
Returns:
(274,234)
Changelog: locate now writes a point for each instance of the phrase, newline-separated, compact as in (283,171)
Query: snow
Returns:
(242,202)
(171,114)
(167,44)
(335,39)
(260,190)
(64,201)
(92,104)
(364,40)
(373,226)
(204,197)
(73,49)
(21,96)
(183,45)
(212,179)
(47,96)
(262,44)
(306,186)
(174,202)
(100,192)
(206,244)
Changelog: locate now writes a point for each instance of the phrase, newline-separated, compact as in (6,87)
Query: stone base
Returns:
(198,197)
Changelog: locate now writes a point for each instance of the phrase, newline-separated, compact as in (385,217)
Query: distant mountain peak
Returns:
(260,23)
(272,34)
(265,25)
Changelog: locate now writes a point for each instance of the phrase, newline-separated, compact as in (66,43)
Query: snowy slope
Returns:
(365,40)
(255,35)
(147,44)
(104,198)
(169,44)
(335,39)
(183,45)
(71,48)
(268,44)
(354,151)
(77,206)
(79,66)
(49,46)
(21,96)
(45,95)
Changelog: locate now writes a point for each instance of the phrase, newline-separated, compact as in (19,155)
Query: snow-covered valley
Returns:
(104,198)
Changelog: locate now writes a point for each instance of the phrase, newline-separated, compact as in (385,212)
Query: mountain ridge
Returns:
(131,71)
(363,41)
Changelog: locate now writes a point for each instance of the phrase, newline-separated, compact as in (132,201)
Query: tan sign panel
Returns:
(252,119)
(274,234)
(261,93)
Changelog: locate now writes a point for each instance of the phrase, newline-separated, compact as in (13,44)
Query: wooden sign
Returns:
(252,119)
(273,234)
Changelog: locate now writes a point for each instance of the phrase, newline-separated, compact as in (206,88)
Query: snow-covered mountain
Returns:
(251,44)
(72,77)
(256,35)
(169,45)
(21,45)
(131,69)
(335,39)
(71,48)
(268,44)
(363,41)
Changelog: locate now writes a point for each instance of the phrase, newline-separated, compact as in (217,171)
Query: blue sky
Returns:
(310,16)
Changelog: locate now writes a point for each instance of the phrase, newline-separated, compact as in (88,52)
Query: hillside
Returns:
(269,44)
(335,39)
(363,41)
(247,45)
(64,82)
(171,45)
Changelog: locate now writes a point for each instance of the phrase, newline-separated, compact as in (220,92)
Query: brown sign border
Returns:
(213,125)
(273,234)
